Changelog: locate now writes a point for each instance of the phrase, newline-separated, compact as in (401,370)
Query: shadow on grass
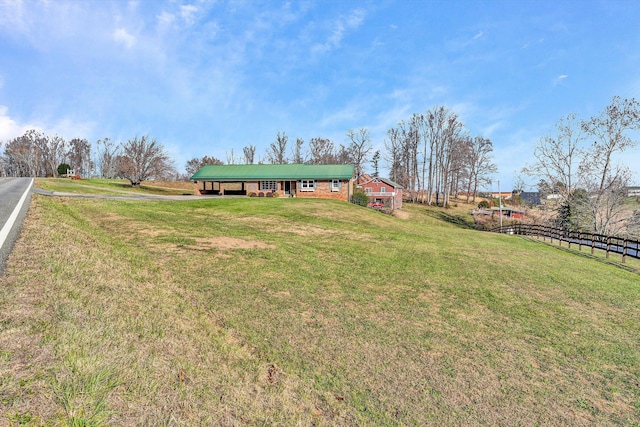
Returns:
(457,220)
(587,255)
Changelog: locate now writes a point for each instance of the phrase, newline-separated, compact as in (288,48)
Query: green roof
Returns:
(272,172)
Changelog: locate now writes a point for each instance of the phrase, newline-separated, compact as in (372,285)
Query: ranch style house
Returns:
(291,180)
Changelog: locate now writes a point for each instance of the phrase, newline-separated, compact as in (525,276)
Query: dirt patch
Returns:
(227,243)
(400,214)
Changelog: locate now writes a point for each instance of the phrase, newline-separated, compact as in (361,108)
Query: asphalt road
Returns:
(12,192)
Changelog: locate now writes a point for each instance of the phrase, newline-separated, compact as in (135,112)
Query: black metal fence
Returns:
(611,244)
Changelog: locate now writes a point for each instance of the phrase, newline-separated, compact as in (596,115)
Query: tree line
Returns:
(319,151)
(580,164)
(36,154)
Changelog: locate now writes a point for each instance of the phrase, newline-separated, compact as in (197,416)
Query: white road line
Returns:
(4,233)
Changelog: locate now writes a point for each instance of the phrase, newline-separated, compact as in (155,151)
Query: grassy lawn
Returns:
(113,186)
(306,312)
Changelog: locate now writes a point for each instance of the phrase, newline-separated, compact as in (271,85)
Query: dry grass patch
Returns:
(227,243)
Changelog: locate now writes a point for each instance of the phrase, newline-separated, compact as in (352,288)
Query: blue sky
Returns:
(205,77)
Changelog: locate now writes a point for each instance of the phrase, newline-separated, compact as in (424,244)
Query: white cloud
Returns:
(9,129)
(121,35)
(339,29)
(560,79)
(489,130)
(188,12)
(478,35)
(165,20)
(348,115)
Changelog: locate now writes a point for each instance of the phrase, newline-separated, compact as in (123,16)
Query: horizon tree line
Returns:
(36,154)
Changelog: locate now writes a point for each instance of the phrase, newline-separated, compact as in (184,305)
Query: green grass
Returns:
(307,312)
(100,186)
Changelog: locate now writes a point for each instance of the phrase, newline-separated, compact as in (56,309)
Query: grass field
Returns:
(100,186)
(248,311)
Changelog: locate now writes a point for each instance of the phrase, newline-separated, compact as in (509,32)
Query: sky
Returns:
(207,77)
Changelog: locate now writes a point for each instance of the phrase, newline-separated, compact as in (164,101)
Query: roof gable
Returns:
(383,180)
(266,172)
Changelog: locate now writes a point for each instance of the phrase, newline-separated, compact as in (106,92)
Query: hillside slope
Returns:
(307,312)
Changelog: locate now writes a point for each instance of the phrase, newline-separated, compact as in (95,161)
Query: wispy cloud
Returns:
(188,12)
(561,78)
(339,28)
(121,35)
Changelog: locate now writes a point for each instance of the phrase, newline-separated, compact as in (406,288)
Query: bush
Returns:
(360,198)
(484,205)
(252,194)
(276,194)
(63,168)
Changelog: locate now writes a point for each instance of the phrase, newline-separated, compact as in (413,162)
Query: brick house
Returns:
(381,191)
(294,180)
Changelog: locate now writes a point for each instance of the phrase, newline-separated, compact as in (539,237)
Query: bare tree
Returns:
(297,156)
(359,148)
(557,158)
(393,145)
(249,154)
(231,156)
(108,152)
(344,156)
(79,156)
(603,179)
(444,134)
(407,141)
(277,151)
(479,164)
(54,150)
(142,159)
(322,152)
(590,182)
(22,158)
(195,164)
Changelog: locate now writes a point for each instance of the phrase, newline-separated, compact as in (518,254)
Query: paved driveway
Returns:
(15,195)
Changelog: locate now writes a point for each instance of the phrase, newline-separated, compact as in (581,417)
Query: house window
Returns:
(307,185)
(268,185)
(383,189)
(336,185)
(367,190)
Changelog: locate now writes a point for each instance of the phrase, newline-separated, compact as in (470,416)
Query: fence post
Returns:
(624,251)
(608,245)
(559,236)
(580,241)
(593,242)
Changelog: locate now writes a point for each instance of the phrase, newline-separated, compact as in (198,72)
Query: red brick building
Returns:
(381,192)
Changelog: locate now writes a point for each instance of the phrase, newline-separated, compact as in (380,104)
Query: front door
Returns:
(287,187)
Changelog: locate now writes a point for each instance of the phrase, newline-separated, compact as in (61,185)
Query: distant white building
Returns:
(633,191)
